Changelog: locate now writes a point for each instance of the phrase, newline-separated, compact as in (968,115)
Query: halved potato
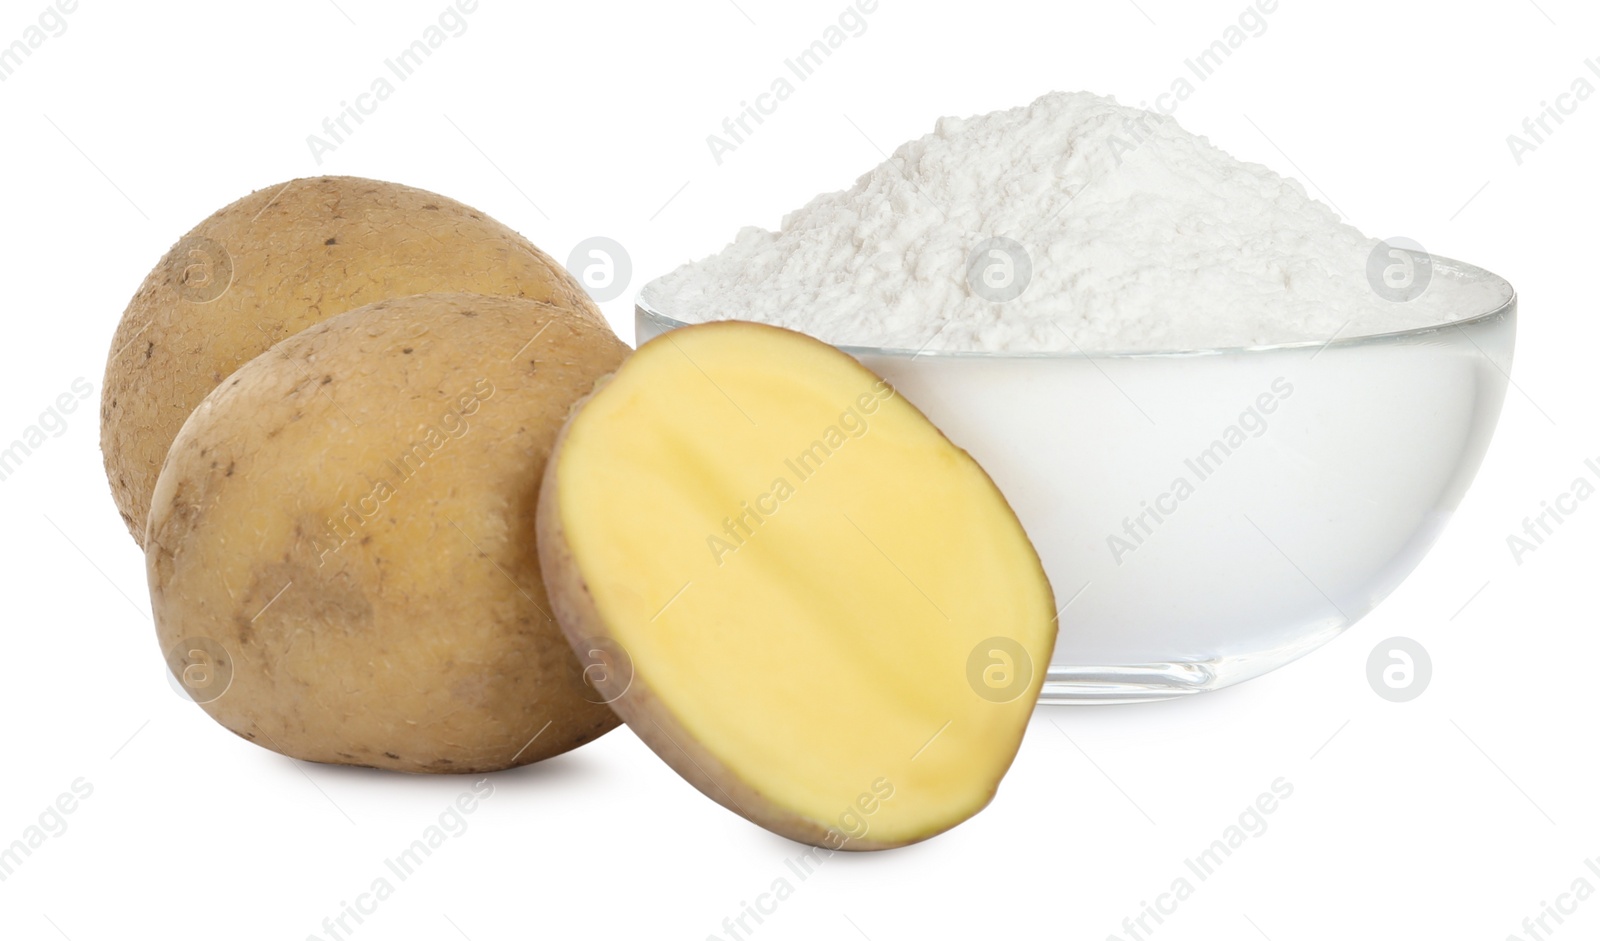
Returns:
(807,600)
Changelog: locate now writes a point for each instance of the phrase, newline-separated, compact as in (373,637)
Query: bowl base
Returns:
(1145,682)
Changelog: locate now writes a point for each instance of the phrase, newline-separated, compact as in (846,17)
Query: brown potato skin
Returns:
(268,266)
(417,637)
(630,695)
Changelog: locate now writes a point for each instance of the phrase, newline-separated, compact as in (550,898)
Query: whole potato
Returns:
(270,265)
(341,547)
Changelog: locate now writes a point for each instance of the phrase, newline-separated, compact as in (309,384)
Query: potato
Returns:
(270,265)
(344,530)
(806,600)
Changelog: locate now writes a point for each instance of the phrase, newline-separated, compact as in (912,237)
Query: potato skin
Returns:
(351,517)
(268,266)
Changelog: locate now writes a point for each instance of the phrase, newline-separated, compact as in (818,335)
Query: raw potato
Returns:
(341,542)
(809,602)
(270,265)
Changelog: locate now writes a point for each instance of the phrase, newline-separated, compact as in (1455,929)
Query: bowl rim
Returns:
(645,311)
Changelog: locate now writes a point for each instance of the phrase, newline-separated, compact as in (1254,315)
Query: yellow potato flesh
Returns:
(801,568)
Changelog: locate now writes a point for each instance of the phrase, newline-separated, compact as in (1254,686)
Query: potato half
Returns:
(345,531)
(270,265)
(807,601)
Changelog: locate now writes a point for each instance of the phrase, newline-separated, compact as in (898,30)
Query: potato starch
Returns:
(1072,223)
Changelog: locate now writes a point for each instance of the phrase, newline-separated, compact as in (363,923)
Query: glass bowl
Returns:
(1207,516)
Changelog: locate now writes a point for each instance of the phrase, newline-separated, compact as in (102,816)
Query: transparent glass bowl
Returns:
(1208,516)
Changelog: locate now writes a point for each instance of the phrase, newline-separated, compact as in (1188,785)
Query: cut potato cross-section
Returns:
(794,588)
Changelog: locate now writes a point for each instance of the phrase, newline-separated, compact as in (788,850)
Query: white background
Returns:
(1456,815)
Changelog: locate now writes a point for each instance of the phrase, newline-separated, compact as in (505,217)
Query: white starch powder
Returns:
(1122,231)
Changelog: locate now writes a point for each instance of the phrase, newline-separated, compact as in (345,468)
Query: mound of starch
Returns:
(1074,223)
